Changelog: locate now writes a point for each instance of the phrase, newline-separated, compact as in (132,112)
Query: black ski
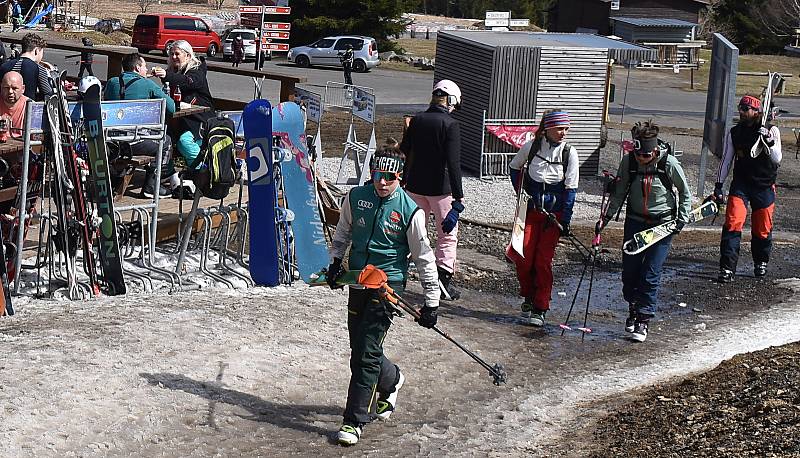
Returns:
(5,295)
(80,220)
(110,258)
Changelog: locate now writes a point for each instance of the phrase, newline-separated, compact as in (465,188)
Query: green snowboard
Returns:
(349,277)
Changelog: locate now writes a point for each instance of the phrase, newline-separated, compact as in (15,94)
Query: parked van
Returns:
(158,31)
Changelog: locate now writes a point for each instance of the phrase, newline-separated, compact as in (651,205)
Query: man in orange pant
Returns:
(755,169)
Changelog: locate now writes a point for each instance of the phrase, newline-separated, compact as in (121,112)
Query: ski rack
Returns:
(123,120)
(360,101)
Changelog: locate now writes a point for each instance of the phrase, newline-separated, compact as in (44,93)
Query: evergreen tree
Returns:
(738,21)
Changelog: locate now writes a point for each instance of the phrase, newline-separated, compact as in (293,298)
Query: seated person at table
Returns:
(12,102)
(187,72)
(133,84)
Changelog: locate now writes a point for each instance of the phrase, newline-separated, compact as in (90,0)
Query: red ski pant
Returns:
(535,270)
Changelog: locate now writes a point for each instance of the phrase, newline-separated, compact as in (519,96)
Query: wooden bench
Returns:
(124,168)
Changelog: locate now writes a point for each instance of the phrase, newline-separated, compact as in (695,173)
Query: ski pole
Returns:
(373,278)
(565,325)
(596,246)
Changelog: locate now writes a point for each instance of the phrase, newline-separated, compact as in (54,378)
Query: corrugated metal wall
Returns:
(469,64)
(629,32)
(573,79)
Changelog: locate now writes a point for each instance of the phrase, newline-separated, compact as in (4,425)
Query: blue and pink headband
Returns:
(556,119)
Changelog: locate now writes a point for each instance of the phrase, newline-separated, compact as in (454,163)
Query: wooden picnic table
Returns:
(188,110)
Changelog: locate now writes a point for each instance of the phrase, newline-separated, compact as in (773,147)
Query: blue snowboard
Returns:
(261,189)
(311,250)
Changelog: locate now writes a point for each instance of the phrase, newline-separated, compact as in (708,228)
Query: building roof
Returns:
(705,2)
(618,50)
(654,22)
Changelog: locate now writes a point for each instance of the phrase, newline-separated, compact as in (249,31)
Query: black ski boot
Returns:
(448,292)
(150,184)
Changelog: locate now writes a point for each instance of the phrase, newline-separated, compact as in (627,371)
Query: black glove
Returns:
(678,227)
(565,232)
(598,227)
(427,317)
(719,198)
(449,222)
(333,273)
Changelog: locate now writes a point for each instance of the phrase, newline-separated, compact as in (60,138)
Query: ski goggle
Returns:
(745,107)
(645,147)
(378,175)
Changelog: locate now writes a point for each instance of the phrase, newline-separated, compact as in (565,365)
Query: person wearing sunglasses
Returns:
(432,143)
(382,226)
(649,173)
(753,184)
(550,167)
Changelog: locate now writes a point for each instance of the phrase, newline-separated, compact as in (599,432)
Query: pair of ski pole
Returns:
(372,277)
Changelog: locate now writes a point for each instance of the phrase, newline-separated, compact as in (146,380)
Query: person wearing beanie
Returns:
(432,175)
(754,152)
(382,226)
(546,169)
(645,180)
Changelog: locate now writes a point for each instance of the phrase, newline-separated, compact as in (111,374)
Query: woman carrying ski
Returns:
(551,181)
(646,178)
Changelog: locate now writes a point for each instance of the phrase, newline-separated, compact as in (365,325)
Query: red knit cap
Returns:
(750,101)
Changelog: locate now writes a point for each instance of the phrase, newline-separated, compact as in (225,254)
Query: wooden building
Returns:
(594,16)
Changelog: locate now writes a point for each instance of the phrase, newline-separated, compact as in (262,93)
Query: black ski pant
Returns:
(348,70)
(368,321)
(150,148)
(85,67)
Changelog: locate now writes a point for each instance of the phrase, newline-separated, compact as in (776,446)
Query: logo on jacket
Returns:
(364,204)
(361,222)
(394,217)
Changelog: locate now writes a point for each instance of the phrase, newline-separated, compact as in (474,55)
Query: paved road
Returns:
(648,96)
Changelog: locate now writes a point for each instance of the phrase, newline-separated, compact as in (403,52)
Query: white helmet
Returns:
(86,82)
(450,89)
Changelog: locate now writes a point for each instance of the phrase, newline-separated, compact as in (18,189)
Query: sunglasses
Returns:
(744,107)
(378,175)
(643,154)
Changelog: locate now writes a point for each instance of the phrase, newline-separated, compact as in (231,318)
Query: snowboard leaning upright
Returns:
(257,122)
(108,246)
(311,249)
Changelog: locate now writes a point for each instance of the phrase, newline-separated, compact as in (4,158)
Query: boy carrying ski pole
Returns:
(382,225)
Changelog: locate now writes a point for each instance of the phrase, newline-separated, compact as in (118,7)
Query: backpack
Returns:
(661,171)
(217,158)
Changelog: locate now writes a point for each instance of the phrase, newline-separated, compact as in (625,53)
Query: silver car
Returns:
(326,52)
(248,35)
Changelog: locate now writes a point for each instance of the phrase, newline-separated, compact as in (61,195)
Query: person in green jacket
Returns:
(382,225)
(648,185)
(134,84)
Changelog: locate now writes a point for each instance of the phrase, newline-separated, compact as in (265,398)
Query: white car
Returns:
(326,52)
(249,36)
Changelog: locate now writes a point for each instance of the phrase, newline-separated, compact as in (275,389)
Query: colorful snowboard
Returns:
(257,121)
(311,249)
(108,245)
(648,237)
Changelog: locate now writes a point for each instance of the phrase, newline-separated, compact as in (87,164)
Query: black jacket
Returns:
(194,90)
(432,145)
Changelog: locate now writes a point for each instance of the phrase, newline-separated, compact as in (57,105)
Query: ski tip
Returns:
(565,327)
(585,330)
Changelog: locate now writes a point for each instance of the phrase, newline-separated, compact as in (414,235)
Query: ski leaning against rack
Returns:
(81,216)
(110,257)
(648,237)
(773,81)
(6,308)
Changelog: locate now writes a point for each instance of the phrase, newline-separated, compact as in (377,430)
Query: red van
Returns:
(158,31)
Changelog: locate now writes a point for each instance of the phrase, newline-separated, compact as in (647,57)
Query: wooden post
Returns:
(287,90)
(114,65)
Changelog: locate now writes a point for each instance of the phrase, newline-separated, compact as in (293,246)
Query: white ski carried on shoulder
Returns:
(649,237)
(773,82)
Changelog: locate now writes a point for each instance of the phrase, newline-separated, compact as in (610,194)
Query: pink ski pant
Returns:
(445,243)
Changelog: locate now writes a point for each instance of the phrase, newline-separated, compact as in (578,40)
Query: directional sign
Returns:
(498,14)
(266,9)
(277,26)
(496,22)
(275,47)
(275,36)
(615,5)
(519,22)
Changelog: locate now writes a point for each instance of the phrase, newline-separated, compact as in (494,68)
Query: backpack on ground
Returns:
(217,159)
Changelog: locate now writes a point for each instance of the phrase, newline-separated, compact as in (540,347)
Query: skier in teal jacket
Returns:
(382,225)
(648,185)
